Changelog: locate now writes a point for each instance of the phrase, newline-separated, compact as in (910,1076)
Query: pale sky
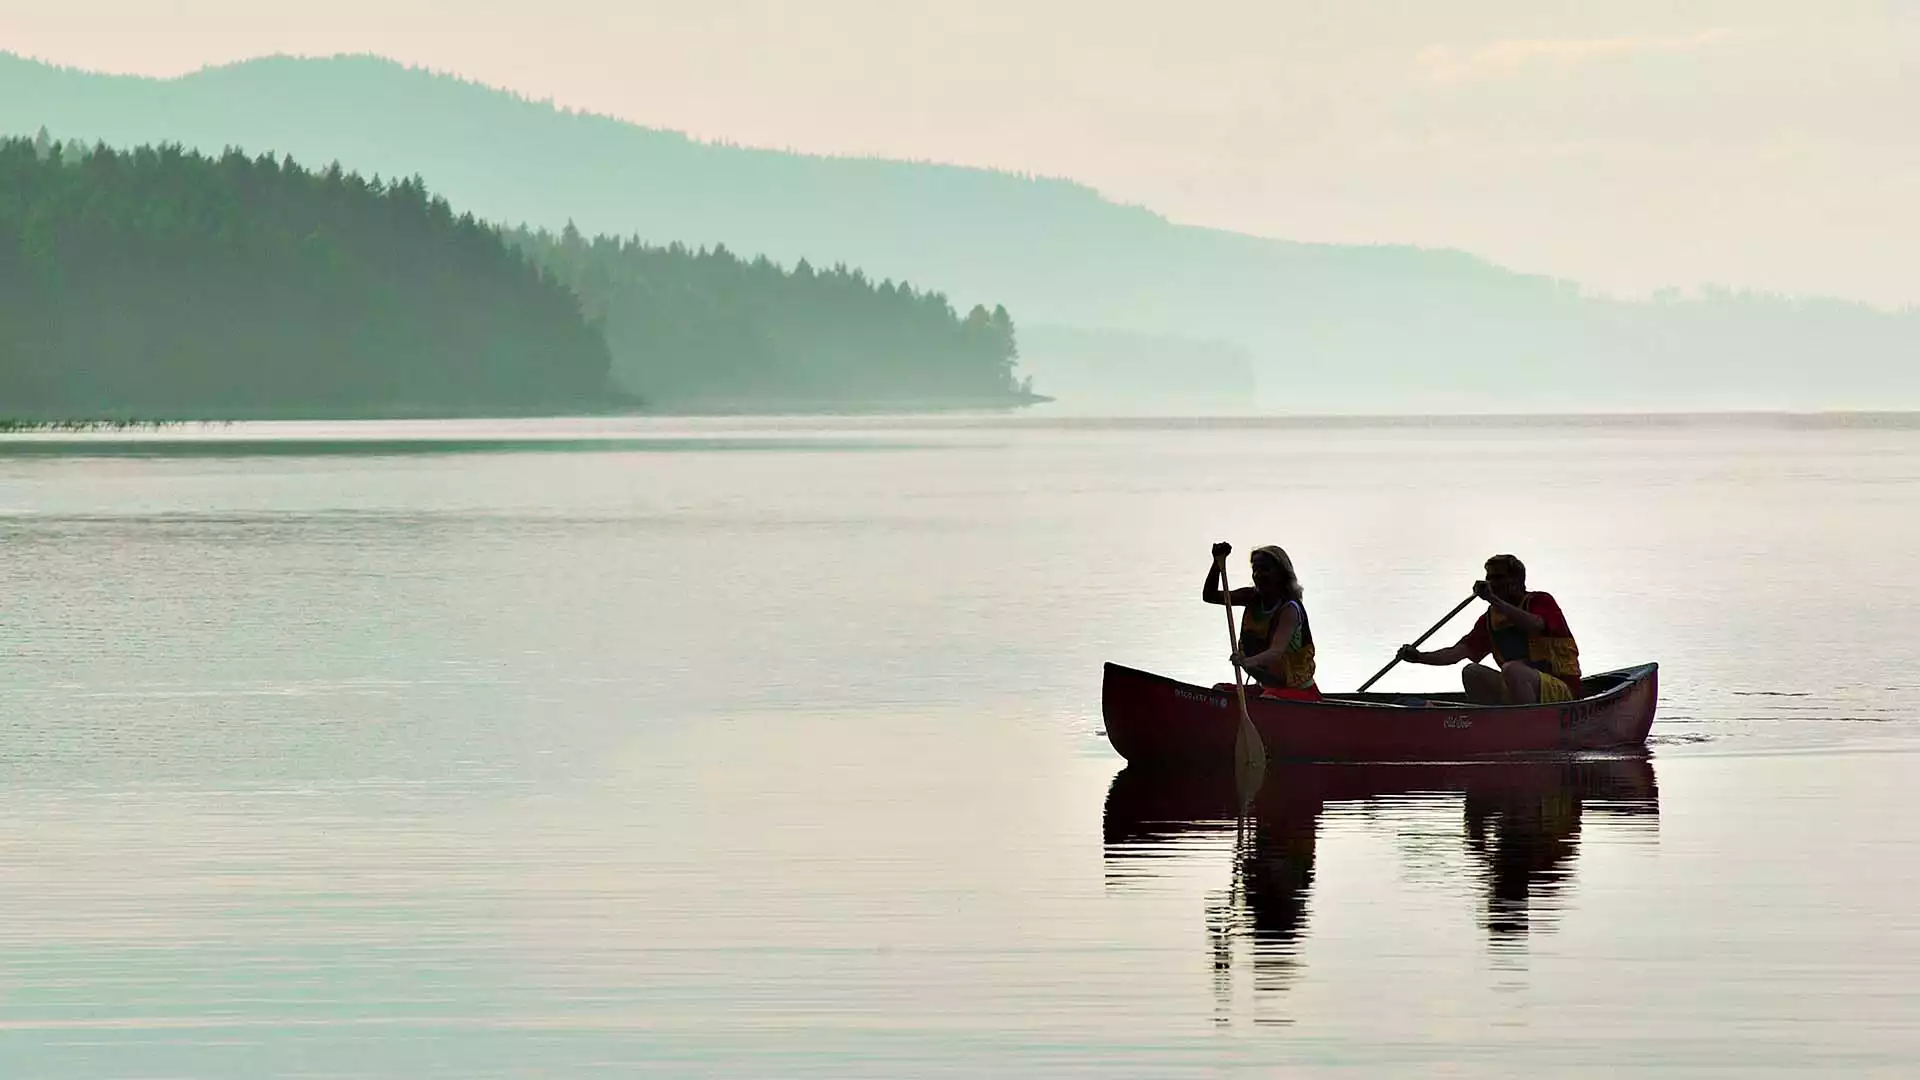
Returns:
(1629,144)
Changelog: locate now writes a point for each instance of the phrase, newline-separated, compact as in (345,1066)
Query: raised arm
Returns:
(1210,592)
(1514,613)
(1467,648)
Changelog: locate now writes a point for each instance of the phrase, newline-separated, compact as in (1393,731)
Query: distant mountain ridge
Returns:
(1328,327)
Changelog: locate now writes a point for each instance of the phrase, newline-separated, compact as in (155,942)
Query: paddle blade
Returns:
(1249,759)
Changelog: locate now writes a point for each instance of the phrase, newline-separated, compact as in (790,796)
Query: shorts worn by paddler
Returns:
(1535,657)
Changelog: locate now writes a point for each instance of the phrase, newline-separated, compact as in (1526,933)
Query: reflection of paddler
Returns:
(1273,879)
(1523,821)
(1534,836)
(1278,868)
(1276,638)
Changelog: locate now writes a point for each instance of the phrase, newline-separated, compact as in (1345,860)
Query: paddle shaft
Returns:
(1249,753)
(1418,642)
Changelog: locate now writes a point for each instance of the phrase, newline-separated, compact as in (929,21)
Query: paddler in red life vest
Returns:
(1534,652)
(1276,641)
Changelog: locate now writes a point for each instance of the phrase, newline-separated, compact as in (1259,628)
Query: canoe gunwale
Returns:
(1391,702)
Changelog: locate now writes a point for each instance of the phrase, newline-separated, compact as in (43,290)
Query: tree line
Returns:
(705,325)
(160,282)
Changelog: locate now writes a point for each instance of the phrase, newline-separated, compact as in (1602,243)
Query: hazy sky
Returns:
(1626,143)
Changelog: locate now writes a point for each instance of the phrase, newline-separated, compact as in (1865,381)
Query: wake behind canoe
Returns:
(1153,719)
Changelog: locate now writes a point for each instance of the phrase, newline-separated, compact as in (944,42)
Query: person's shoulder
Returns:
(1544,605)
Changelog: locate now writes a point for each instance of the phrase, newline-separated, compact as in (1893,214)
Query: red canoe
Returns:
(1153,719)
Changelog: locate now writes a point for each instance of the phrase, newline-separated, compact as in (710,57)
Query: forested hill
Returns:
(161,283)
(1325,327)
(704,328)
(164,284)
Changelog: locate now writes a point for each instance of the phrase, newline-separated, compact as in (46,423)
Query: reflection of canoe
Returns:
(1147,805)
(1520,819)
(1153,719)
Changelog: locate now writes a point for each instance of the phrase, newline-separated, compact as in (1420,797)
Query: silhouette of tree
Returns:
(708,326)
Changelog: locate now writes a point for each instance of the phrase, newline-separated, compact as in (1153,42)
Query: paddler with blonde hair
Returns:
(1276,640)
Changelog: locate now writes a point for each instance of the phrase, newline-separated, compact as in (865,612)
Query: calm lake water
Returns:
(757,749)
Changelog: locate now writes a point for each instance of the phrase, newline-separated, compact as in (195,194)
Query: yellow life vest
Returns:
(1553,652)
(1295,667)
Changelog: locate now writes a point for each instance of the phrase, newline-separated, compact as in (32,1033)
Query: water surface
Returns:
(755,748)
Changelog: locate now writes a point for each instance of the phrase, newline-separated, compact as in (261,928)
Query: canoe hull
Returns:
(1151,719)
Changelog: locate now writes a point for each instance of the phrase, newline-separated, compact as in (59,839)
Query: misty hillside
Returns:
(1116,372)
(707,330)
(163,284)
(1328,327)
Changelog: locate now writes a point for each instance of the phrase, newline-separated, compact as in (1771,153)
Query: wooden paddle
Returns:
(1249,753)
(1417,643)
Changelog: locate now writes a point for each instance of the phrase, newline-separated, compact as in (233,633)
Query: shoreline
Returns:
(624,410)
(980,415)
